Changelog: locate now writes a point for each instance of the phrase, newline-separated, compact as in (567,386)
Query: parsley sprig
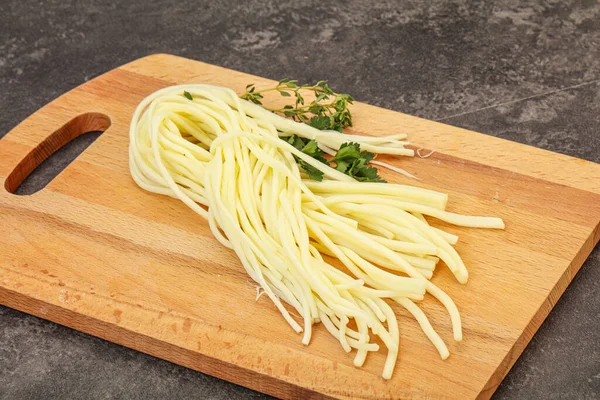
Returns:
(328,110)
(349,159)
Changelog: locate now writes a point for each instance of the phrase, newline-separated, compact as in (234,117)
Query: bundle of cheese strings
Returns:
(223,157)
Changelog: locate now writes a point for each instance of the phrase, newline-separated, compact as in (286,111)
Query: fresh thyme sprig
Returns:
(328,110)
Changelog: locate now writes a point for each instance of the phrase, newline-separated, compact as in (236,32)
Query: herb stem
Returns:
(328,105)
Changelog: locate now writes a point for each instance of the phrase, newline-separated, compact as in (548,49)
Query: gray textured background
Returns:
(527,71)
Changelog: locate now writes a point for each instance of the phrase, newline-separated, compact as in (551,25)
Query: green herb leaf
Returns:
(342,165)
(353,162)
(317,109)
(346,155)
(320,122)
(312,172)
(188,95)
(367,156)
(295,141)
(347,152)
(309,148)
(284,93)
(312,149)
(362,173)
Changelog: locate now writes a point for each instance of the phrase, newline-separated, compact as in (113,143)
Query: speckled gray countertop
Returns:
(528,71)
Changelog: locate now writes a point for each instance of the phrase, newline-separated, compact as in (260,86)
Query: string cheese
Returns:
(223,158)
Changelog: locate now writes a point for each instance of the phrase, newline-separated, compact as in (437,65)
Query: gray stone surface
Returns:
(528,71)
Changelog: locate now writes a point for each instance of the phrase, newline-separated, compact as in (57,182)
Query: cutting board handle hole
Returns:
(49,158)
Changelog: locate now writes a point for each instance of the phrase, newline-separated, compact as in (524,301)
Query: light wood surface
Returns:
(94,252)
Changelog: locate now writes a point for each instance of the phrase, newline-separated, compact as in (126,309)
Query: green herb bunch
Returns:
(328,110)
(348,159)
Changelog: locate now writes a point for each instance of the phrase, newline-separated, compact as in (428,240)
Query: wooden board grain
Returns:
(94,252)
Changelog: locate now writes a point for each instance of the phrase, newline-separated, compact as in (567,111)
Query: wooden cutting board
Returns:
(94,252)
